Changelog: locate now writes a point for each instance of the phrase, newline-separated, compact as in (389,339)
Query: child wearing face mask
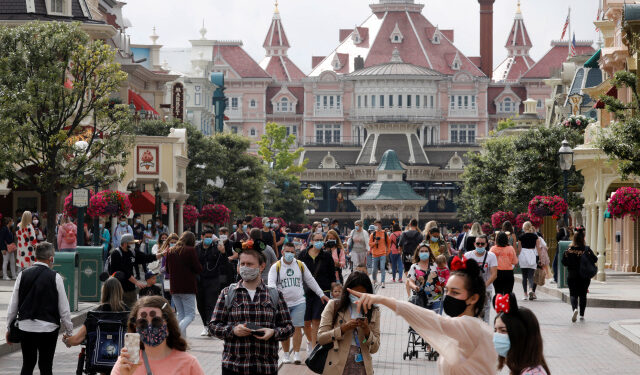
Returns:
(489,267)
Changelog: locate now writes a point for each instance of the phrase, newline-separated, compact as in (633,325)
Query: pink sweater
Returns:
(67,236)
(465,344)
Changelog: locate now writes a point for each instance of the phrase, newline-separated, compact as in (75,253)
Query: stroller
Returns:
(105,338)
(425,297)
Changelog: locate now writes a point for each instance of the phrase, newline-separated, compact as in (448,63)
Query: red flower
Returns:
(498,218)
(217,214)
(625,201)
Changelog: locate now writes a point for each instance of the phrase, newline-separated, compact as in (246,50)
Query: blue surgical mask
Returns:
(123,223)
(353,298)
(318,244)
(244,227)
(149,226)
(480,250)
(267,225)
(208,241)
(101,226)
(138,221)
(288,257)
(501,343)
(424,256)
(235,227)
(357,227)
(434,239)
(172,245)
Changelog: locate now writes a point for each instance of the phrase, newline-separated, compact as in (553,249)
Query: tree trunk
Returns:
(52,200)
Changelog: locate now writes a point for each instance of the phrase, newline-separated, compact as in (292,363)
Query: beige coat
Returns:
(329,332)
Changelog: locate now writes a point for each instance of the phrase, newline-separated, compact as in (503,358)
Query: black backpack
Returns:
(410,243)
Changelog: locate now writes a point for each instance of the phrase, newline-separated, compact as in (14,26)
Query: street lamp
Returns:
(565,158)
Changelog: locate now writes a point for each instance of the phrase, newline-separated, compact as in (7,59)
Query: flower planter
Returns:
(545,205)
(216,214)
(498,218)
(625,201)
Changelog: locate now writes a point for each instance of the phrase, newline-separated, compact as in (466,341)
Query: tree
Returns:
(275,150)
(506,124)
(621,141)
(58,127)
(284,198)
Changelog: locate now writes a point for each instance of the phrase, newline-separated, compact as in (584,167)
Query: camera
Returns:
(331,243)
(378,238)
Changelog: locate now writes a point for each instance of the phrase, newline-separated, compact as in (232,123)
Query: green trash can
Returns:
(150,245)
(562,270)
(66,264)
(90,267)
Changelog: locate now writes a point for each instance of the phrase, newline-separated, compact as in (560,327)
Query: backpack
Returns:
(410,243)
(69,236)
(105,338)
(107,263)
(300,264)
(274,296)
(396,242)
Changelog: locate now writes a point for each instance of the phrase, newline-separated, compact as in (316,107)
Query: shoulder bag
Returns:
(318,357)
(588,269)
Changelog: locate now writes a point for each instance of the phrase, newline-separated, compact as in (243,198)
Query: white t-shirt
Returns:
(291,282)
(252,292)
(492,261)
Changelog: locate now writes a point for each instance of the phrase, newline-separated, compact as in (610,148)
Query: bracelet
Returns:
(364,341)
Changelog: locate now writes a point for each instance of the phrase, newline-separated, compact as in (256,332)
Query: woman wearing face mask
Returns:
(165,242)
(41,234)
(150,232)
(423,276)
(316,227)
(517,338)
(358,244)
(463,341)
(162,344)
(183,264)
(334,245)
(105,239)
(355,336)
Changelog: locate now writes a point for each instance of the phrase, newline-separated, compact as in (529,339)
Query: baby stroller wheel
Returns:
(404,356)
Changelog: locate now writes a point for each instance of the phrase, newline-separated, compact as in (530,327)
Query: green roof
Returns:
(593,60)
(390,190)
(632,12)
(390,162)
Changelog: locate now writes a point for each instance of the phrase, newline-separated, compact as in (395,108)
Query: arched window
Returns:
(253,103)
(283,106)
(252,132)
(506,105)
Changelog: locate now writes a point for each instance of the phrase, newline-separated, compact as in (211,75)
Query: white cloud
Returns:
(312,25)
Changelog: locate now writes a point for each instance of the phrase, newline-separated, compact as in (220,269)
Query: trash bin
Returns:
(562,270)
(150,246)
(66,264)
(90,267)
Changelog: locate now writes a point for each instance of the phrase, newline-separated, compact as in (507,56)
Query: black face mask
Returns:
(453,307)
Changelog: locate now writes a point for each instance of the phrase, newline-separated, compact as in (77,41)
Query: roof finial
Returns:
(518,10)
(203,31)
(276,11)
(154,37)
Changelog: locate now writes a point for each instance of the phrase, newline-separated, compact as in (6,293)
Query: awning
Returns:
(593,60)
(139,102)
(142,202)
(613,91)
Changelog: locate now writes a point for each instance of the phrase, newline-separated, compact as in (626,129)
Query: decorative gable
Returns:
(356,37)
(456,64)
(396,36)
(284,101)
(436,37)
(328,162)
(455,162)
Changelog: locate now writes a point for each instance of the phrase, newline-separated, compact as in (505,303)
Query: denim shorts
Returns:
(297,314)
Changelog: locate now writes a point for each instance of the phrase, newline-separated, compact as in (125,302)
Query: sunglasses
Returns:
(156,320)
(480,243)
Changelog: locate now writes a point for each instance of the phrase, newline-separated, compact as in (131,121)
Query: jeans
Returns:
(527,274)
(186,308)
(378,264)
(396,266)
(38,347)
(9,259)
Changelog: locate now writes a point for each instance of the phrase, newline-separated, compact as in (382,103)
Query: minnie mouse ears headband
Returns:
(505,303)
(458,263)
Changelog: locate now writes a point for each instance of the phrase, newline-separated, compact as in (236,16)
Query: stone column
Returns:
(602,206)
(170,203)
(180,217)
(422,135)
(593,228)
(586,210)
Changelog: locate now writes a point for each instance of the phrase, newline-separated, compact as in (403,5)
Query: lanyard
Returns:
(355,333)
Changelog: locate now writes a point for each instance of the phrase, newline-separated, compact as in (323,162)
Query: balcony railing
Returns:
(463,112)
(395,113)
(327,112)
(343,142)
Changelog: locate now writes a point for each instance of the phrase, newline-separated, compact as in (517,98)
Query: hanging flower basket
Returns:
(625,201)
(216,214)
(545,205)
(487,229)
(109,203)
(256,222)
(498,218)
(71,211)
(578,122)
(190,214)
(523,218)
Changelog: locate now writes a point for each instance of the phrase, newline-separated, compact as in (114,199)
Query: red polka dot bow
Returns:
(502,303)
(458,263)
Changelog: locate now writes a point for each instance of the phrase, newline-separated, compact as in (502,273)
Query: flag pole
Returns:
(569,36)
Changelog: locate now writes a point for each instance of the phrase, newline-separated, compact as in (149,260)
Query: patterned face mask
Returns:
(152,334)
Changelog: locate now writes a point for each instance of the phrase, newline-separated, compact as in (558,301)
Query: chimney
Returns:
(486,36)
(358,63)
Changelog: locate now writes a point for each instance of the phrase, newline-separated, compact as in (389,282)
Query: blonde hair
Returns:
(26,219)
(428,226)
(527,227)
(476,230)
(441,259)
(165,244)
(337,238)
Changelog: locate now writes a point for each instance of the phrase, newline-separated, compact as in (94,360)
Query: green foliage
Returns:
(511,170)
(621,140)
(275,149)
(283,197)
(506,124)
(41,119)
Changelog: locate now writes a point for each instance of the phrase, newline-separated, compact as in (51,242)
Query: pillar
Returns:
(587,217)
(180,217)
(602,206)
(593,230)
(170,203)
(422,135)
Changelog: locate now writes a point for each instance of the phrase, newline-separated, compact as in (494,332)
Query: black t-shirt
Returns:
(528,240)
(138,231)
(267,238)
(123,261)
(279,235)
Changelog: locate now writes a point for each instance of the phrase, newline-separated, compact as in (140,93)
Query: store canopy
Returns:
(139,102)
(593,60)
(143,202)
(613,91)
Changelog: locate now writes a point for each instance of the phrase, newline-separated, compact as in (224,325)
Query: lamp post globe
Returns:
(565,156)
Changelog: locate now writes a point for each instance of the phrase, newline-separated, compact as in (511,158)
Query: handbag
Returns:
(588,269)
(318,357)
(539,276)
(527,258)
(11,247)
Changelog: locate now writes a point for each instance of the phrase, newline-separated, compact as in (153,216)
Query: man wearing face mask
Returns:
(138,235)
(123,259)
(488,263)
(160,227)
(213,276)
(121,229)
(269,236)
(251,318)
(40,303)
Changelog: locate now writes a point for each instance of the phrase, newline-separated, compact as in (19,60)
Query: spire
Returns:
(276,11)
(518,11)
(154,37)
(518,42)
(276,42)
(203,31)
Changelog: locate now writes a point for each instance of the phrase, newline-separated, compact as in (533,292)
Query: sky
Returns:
(312,25)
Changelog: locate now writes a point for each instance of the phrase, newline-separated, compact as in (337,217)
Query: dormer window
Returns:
(284,105)
(456,64)
(507,105)
(396,35)
(58,7)
(336,63)
(436,37)
(357,39)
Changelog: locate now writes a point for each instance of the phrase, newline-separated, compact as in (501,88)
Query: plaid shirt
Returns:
(249,355)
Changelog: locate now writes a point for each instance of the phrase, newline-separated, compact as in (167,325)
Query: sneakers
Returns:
(574,317)
(205,332)
(309,348)
(400,281)
(532,296)
(296,358)
(582,318)
(525,298)
(382,285)
(286,358)
(6,278)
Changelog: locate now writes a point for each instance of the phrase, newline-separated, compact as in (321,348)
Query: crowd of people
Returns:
(256,288)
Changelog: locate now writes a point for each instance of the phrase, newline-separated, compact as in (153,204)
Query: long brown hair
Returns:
(526,341)
(416,253)
(112,294)
(165,244)
(334,234)
(174,340)
(187,239)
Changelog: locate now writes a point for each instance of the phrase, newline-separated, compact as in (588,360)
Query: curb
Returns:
(624,336)
(563,294)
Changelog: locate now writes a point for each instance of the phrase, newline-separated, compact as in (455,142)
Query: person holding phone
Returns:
(165,349)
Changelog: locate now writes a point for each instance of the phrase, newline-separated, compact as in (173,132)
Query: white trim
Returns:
(31,6)
(424,51)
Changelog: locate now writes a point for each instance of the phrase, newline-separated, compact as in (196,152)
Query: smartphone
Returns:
(254,329)
(132,343)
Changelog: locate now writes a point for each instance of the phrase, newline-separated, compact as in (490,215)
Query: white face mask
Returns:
(223,237)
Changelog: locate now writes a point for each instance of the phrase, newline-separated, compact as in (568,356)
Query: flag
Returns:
(598,18)
(564,28)
(573,46)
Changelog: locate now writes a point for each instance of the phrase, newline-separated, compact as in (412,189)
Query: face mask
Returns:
(208,241)
(480,250)
(153,336)
(172,245)
(149,226)
(502,344)
(434,239)
(424,256)
(223,237)
(159,224)
(138,221)
(318,245)
(353,299)
(318,230)
(453,307)
(132,247)
(357,227)
(123,223)
(288,257)
(235,227)
(244,227)
(101,226)
(267,225)
(35,222)
(249,273)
